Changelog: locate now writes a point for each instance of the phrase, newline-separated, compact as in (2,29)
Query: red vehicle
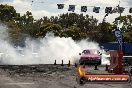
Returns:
(90,57)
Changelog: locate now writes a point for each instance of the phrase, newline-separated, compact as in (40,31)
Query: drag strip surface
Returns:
(47,76)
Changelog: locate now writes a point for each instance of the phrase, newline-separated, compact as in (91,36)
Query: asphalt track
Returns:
(46,76)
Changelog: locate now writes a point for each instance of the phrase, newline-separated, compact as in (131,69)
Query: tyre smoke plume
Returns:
(42,51)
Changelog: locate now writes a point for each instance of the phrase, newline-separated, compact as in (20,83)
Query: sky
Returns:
(40,8)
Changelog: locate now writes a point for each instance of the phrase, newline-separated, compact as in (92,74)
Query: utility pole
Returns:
(121,45)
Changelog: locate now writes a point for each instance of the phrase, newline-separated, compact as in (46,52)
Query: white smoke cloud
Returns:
(3,32)
(43,51)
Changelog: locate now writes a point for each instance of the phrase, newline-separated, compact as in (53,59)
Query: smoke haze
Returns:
(43,51)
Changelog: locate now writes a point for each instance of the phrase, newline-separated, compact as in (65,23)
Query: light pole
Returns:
(122,42)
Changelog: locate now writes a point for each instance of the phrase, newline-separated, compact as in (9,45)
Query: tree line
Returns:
(77,26)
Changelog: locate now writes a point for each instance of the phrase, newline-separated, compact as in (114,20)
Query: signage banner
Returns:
(118,35)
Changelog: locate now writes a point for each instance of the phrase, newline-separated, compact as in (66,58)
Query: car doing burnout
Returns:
(90,57)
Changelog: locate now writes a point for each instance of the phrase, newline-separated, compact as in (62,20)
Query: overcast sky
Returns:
(40,8)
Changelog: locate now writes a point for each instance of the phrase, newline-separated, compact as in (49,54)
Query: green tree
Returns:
(7,13)
(126,21)
(105,33)
(49,27)
(26,23)
(15,33)
(126,27)
(77,26)
(75,33)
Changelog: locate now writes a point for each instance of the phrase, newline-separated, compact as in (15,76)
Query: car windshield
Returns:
(89,52)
